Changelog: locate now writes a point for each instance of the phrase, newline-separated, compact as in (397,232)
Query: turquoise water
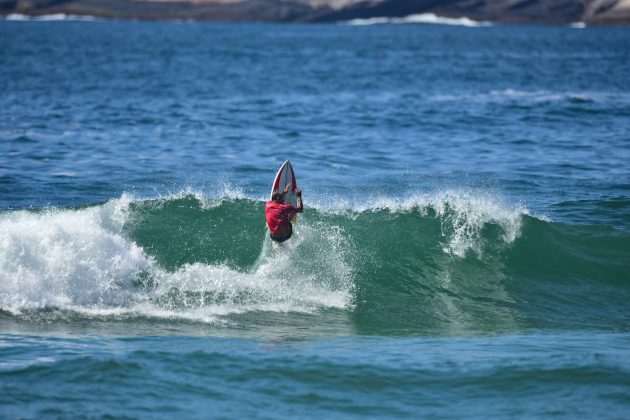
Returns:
(464,249)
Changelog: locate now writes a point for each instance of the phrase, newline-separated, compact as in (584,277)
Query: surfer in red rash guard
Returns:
(279,215)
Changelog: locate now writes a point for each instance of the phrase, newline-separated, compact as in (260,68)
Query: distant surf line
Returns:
(426,18)
(18,17)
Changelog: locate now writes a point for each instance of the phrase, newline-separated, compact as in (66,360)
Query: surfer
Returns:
(279,215)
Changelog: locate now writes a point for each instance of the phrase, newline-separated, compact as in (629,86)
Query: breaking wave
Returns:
(452,261)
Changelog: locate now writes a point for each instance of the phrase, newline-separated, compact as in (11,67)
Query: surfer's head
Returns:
(277,197)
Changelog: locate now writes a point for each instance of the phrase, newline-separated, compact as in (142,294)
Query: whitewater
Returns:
(80,260)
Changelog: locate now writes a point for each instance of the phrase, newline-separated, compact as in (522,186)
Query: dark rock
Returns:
(597,12)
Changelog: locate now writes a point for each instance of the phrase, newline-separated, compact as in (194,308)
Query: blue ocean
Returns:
(464,251)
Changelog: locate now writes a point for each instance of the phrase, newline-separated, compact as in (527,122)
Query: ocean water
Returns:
(464,249)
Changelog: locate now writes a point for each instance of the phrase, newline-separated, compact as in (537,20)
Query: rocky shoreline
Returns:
(561,12)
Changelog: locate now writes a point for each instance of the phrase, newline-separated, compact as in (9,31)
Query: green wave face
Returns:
(450,264)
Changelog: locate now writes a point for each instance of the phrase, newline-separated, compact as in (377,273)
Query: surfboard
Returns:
(285,176)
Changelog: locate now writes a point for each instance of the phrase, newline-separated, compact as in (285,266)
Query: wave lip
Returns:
(426,18)
(463,215)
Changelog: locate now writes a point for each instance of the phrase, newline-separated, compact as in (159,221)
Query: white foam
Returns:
(49,18)
(537,96)
(577,25)
(61,257)
(426,18)
(25,362)
(82,261)
(65,174)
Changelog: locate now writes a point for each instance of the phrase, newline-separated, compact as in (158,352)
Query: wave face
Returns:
(450,263)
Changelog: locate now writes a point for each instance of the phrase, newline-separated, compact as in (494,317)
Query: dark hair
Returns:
(277,197)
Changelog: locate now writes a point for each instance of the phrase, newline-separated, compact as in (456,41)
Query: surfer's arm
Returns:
(300,207)
(286,190)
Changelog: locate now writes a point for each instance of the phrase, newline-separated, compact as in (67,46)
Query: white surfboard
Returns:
(285,176)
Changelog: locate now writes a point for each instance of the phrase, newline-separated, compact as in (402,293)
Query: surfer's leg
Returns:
(283,238)
(279,240)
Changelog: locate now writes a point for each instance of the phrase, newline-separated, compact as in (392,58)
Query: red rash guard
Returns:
(279,217)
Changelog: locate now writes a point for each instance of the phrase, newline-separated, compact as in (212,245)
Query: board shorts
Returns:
(282,238)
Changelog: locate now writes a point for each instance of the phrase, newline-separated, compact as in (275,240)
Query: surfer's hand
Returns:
(287,188)
(298,192)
